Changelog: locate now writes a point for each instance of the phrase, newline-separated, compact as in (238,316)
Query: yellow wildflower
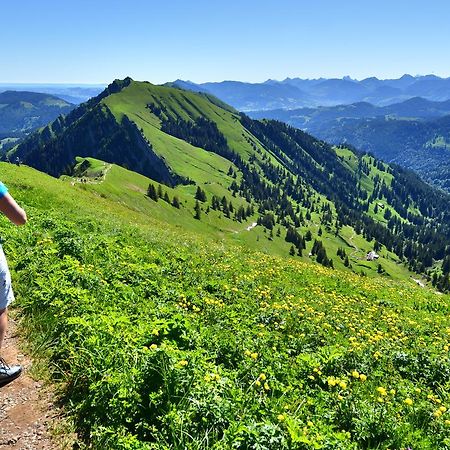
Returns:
(382,391)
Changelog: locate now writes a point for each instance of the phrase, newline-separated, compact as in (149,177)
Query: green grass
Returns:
(128,189)
(182,157)
(162,338)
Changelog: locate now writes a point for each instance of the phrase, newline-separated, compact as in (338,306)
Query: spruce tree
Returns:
(200,194)
(197,210)
(176,202)
(151,192)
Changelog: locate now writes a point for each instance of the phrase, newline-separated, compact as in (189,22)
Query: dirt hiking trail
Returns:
(26,410)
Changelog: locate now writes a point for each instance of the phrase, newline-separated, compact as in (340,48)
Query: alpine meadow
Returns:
(192,278)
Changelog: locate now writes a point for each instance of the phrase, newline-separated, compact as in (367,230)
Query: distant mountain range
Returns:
(297,93)
(313,119)
(71,93)
(414,133)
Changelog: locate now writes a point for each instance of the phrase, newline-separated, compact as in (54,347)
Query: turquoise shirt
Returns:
(3,190)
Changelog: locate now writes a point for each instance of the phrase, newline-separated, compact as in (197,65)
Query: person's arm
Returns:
(10,208)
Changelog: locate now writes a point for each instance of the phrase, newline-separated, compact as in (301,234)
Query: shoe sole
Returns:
(9,380)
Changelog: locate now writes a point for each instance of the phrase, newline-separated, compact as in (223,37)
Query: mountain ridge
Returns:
(284,174)
(296,92)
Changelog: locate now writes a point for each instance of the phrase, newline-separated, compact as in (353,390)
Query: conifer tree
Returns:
(176,202)
(151,192)
(215,204)
(200,194)
(197,210)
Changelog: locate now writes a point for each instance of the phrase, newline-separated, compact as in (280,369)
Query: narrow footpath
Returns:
(26,410)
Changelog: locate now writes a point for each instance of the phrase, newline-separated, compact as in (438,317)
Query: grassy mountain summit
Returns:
(242,169)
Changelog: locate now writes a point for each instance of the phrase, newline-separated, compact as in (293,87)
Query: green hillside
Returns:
(414,134)
(22,112)
(302,191)
(162,337)
(126,187)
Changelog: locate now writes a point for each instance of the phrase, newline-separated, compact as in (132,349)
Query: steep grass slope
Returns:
(130,189)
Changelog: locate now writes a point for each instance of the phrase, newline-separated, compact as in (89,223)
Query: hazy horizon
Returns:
(104,83)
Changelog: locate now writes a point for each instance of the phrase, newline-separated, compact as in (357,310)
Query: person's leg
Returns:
(6,295)
(3,324)
(7,373)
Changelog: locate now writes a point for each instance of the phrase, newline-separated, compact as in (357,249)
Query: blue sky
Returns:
(96,41)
